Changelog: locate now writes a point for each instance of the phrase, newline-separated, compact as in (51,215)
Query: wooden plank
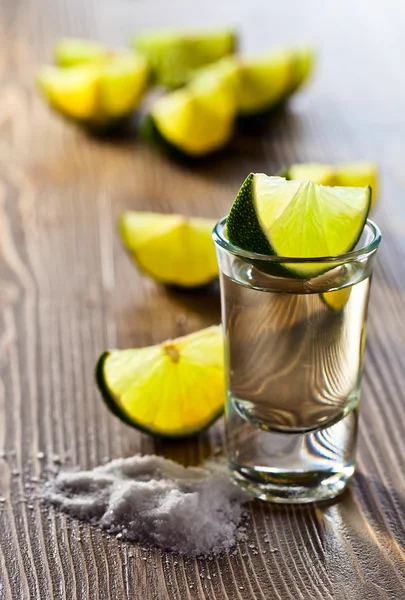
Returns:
(67,291)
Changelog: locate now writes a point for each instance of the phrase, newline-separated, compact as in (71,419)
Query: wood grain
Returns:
(67,291)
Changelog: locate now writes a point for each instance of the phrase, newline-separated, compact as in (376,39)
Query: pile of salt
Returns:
(154,501)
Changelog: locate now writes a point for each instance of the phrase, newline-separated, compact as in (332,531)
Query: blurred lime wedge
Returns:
(195,120)
(269,80)
(172,249)
(70,52)
(174,55)
(263,82)
(359,174)
(355,174)
(173,389)
(272,215)
(99,94)
(304,59)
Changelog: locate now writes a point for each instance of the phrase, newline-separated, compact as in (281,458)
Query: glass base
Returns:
(291,487)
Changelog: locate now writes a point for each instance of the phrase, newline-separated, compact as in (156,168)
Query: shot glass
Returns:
(294,350)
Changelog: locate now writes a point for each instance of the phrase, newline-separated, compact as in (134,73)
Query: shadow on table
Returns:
(254,141)
(205,301)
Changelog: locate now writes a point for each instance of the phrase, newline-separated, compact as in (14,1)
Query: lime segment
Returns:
(355,174)
(336,299)
(175,55)
(196,120)
(171,249)
(96,94)
(272,215)
(174,389)
(71,52)
(264,82)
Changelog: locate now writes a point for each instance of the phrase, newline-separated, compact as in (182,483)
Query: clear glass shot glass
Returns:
(294,351)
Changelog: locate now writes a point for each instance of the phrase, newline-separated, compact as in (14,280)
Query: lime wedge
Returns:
(356,174)
(268,81)
(264,82)
(304,59)
(174,55)
(71,92)
(337,299)
(172,249)
(272,215)
(174,389)
(197,119)
(71,52)
(359,174)
(123,83)
(316,172)
(96,95)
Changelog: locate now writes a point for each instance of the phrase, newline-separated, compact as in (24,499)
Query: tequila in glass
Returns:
(294,357)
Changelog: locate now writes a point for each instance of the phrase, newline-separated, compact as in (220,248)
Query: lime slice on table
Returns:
(96,95)
(274,216)
(269,80)
(172,249)
(304,59)
(194,121)
(359,174)
(174,55)
(69,52)
(355,174)
(173,389)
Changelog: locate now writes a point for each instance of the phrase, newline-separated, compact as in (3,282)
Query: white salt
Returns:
(154,501)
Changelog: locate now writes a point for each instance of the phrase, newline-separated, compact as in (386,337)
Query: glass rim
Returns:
(224,243)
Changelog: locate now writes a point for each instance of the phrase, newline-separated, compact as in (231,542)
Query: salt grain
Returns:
(148,499)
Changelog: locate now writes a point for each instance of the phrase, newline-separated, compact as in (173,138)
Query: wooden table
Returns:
(68,291)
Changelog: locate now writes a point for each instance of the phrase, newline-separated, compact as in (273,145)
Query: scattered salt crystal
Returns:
(15,472)
(2,499)
(191,511)
(252,546)
(40,455)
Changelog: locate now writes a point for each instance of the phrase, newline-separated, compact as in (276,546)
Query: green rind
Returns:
(123,416)
(122,233)
(251,236)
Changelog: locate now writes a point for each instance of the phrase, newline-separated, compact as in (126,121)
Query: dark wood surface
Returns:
(67,291)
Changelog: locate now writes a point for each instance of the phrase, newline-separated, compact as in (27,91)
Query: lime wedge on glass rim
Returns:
(295,219)
(174,389)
